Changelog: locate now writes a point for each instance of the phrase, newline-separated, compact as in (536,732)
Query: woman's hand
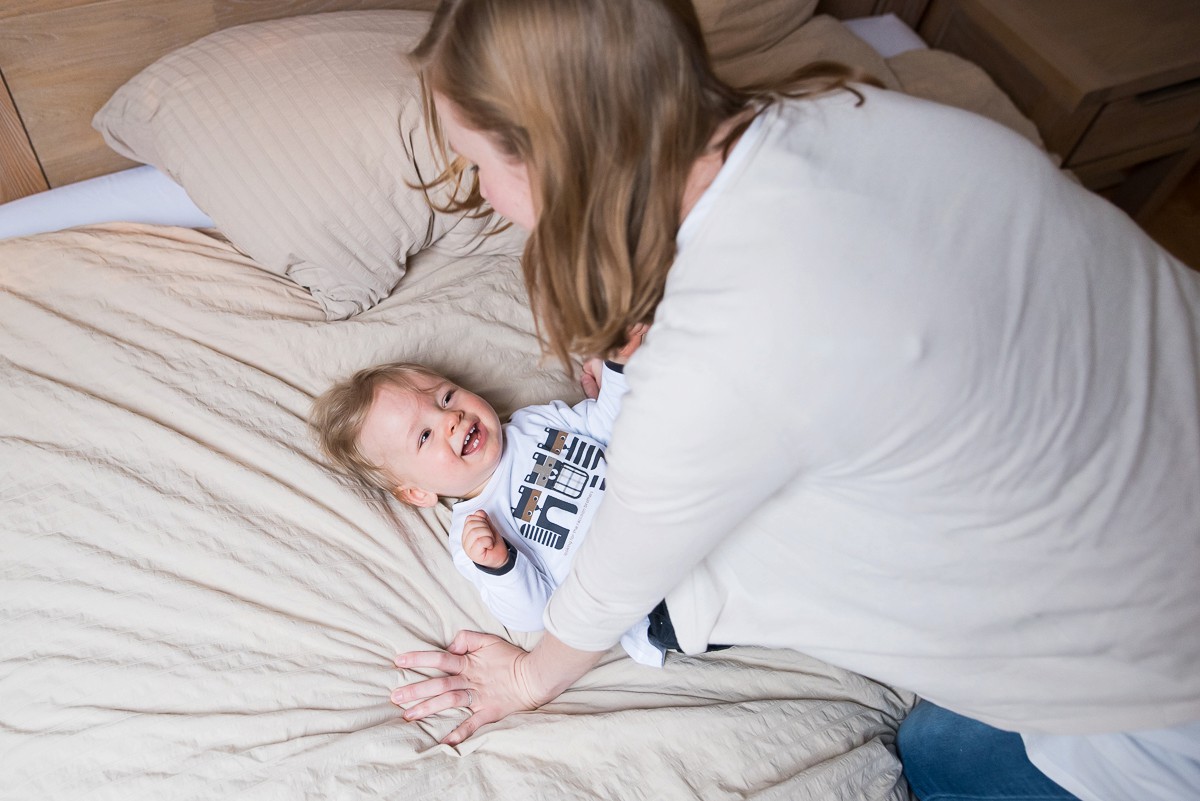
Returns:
(485,676)
(491,677)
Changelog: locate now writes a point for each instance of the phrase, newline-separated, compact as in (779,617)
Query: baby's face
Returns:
(440,439)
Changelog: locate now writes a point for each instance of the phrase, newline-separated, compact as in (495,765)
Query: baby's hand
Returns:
(591,378)
(483,546)
(593,369)
(637,333)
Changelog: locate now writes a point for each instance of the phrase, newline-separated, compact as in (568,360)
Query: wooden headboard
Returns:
(60,60)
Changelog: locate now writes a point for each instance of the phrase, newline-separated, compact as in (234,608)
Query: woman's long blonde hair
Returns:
(608,104)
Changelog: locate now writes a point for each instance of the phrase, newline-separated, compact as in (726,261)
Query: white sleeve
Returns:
(593,418)
(601,413)
(517,598)
(693,453)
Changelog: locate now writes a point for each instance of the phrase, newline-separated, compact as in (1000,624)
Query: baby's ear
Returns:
(416,497)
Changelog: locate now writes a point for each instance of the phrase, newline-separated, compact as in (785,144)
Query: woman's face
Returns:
(503,182)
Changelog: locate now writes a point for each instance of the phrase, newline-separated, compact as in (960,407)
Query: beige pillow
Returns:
(822,38)
(737,30)
(947,78)
(299,137)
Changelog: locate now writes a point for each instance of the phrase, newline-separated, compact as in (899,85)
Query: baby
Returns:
(526,491)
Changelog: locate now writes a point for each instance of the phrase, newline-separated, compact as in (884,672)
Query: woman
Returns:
(912,402)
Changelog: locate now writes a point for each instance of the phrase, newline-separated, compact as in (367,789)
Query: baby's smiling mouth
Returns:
(472,441)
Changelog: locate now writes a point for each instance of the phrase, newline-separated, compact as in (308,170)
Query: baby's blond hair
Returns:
(338,415)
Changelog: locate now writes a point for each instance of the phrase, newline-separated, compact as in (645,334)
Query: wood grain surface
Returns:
(63,59)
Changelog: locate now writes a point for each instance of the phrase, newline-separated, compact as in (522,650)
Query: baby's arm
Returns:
(595,417)
(511,585)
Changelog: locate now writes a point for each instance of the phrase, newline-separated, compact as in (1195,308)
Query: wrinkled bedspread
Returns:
(192,606)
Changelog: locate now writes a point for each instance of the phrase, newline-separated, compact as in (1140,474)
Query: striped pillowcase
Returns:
(301,138)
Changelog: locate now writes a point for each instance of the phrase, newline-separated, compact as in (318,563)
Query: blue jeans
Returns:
(948,757)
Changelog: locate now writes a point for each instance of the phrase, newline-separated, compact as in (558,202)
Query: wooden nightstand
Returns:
(1113,85)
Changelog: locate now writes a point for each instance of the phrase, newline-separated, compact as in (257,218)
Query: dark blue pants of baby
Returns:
(948,757)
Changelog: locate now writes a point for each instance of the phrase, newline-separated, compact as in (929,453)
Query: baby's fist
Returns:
(483,546)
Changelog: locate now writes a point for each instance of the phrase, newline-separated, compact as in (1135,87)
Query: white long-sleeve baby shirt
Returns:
(541,499)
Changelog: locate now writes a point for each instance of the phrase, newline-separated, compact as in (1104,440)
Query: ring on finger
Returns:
(470,697)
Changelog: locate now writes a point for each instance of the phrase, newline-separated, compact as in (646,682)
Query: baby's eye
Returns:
(446,399)
(424,436)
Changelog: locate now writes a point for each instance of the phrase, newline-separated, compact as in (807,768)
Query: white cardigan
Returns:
(918,405)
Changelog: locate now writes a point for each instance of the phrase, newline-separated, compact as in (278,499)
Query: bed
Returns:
(193,605)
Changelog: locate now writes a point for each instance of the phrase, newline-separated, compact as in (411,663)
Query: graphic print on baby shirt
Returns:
(566,472)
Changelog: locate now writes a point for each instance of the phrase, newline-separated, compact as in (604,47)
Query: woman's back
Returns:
(957,424)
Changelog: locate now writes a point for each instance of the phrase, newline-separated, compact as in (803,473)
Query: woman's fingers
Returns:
(439,703)
(466,641)
(484,676)
(428,688)
(444,661)
(467,728)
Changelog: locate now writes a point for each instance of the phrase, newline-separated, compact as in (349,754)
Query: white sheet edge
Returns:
(887,34)
(140,194)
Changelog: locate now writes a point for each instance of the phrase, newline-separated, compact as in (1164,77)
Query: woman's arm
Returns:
(490,676)
(712,429)
(703,447)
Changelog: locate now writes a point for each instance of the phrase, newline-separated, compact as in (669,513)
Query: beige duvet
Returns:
(193,607)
